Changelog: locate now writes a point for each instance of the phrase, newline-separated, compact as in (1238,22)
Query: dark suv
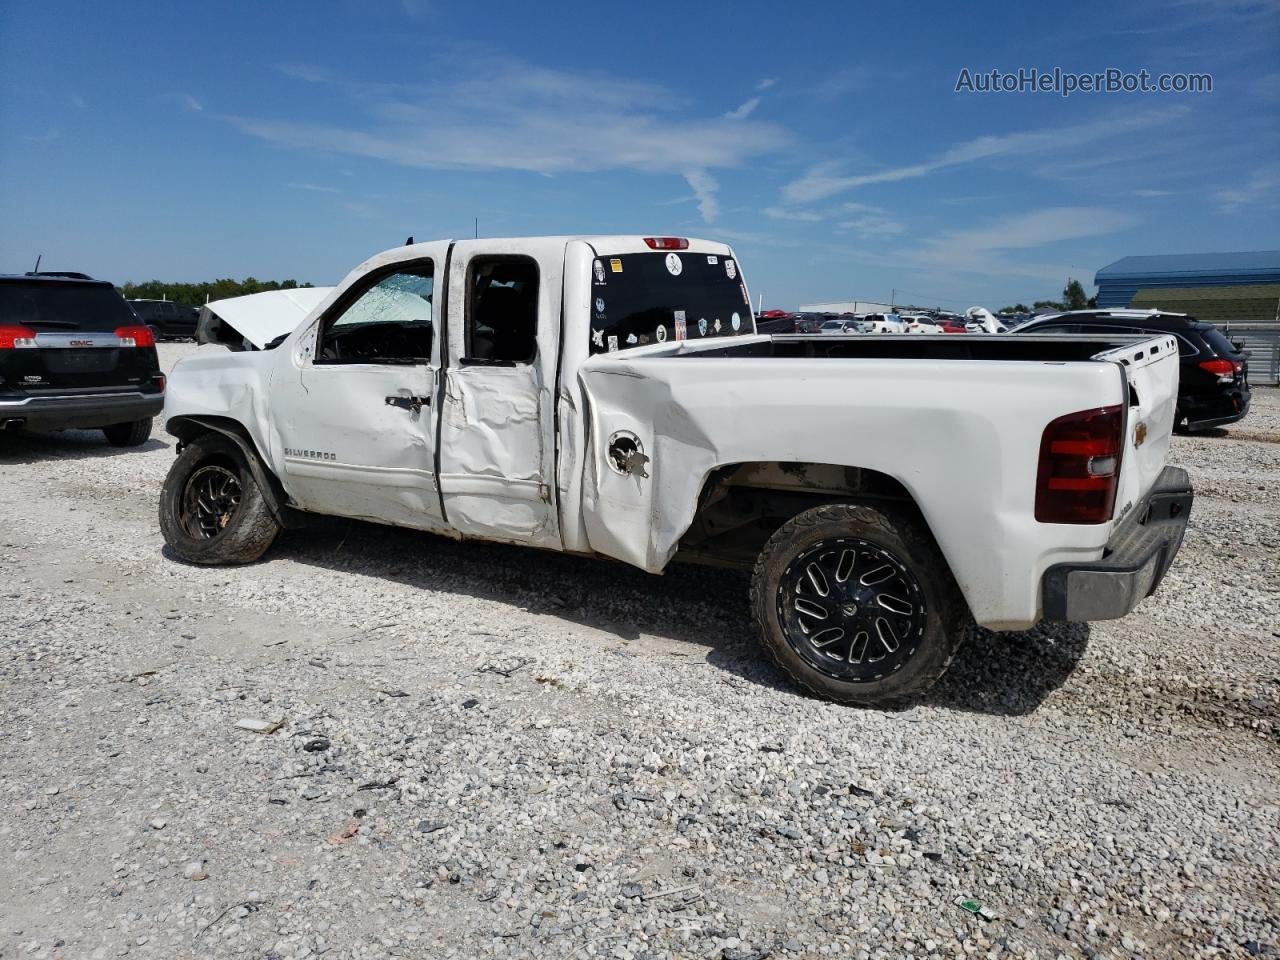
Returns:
(1214,385)
(167,320)
(73,355)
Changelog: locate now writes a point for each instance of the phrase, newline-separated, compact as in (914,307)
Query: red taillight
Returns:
(14,337)
(1221,367)
(1080,467)
(667,243)
(135,336)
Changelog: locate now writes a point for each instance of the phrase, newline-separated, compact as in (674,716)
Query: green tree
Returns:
(1016,308)
(1073,295)
(195,294)
(1049,305)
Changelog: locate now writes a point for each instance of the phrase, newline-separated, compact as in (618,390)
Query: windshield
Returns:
(643,298)
(43,305)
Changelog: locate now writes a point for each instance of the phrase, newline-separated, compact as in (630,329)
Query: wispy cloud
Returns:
(313,187)
(1262,188)
(511,115)
(827,179)
(766,83)
(802,216)
(705,187)
(995,251)
(872,226)
(1147,193)
(743,111)
(47,137)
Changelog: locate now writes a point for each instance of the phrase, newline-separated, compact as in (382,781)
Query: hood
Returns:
(261,317)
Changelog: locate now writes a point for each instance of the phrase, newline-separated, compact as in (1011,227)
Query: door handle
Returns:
(409,403)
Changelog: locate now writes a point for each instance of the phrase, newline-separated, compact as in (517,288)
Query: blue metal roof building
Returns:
(1119,283)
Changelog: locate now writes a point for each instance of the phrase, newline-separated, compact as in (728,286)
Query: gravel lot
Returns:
(489,751)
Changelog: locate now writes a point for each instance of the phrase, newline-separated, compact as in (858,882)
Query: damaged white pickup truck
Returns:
(609,396)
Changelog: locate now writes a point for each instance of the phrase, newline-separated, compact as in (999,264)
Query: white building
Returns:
(847,306)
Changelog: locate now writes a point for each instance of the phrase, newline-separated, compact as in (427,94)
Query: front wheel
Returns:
(211,509)
(856,604)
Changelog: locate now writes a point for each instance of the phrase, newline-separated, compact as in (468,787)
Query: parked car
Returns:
(167,320)
(881,323)
(838,325)
(609,396)
(1214,386)
(950,323)
(72,354)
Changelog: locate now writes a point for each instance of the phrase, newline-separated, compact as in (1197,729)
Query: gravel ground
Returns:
(489,751)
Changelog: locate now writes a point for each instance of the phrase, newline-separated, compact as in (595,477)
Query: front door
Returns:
(353,404)
(497,448)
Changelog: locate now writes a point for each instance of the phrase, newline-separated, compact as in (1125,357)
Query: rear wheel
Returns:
(132,434)
(211,508)
(857,605)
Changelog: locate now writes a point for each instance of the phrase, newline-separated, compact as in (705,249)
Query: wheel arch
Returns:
(188,428)
(741,504)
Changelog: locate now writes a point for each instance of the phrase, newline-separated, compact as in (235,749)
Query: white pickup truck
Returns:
(609,396)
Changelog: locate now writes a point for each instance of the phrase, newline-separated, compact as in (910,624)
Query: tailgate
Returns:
(1151,371)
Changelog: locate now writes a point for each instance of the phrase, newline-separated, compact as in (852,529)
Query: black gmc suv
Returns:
(1214,376)
(73,355)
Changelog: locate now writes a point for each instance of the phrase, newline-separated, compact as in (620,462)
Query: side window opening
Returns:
(502,310)
(388,322)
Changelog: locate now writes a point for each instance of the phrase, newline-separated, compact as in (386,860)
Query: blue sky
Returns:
(825,141)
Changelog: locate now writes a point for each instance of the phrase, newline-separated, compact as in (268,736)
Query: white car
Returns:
(886,492)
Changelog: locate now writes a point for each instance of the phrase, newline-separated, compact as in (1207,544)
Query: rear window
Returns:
(644,298)
(42,305)
(1219,342)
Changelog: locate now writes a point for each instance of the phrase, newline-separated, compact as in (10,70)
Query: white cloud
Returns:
(872,226)
(743,111)
(766,83)
(704,189)
(1262,187)
(509,115)
(803,216)
(190,102)
(315,188)
(827,179)
(1153,193)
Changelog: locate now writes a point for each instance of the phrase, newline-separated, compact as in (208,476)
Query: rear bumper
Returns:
(1137,557)
(84,411)
(1215,411)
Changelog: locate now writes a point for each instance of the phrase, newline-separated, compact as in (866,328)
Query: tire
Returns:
(212,511)
(907,625)
(131,434)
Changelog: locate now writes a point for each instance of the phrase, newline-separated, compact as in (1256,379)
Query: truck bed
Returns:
(918,347)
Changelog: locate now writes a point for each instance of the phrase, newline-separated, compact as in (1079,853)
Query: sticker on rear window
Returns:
(682,329)
(613,344)
(674,264)
(615,265)
(598,267)
(713,260)
(736,322)
(661,334)
(702,327)
(731,269)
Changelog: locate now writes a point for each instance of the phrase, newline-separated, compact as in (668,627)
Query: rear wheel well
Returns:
(742,505)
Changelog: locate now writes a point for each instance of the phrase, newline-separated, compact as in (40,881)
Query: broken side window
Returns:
(386,320)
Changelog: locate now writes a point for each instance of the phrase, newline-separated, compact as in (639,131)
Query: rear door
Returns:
(497,417)
(71,337)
